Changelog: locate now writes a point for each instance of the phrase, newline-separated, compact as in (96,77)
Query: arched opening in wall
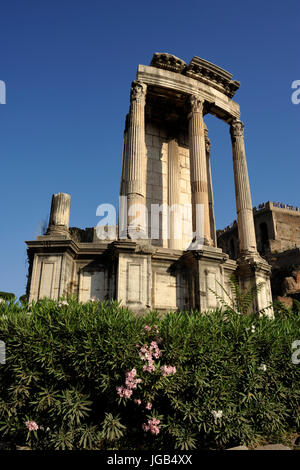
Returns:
(264,238)
(222,172)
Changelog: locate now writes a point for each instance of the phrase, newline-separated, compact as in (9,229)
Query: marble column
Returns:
(135,166)
(175,238)
(124,159)
(59,214)
(210,190)
(245,220)
(199,181)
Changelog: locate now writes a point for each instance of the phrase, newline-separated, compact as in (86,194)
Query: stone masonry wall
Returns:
(157,176)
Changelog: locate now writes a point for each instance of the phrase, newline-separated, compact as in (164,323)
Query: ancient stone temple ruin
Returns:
(173,264)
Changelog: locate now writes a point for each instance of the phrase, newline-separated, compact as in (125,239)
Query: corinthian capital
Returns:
(237,128)
(138,91)
(196,104)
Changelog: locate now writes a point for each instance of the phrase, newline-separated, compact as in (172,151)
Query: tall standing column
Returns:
(210,190)
(59,215)
(173,196)
(242,190)
(124,159)
(199,170)
(136,161)
(122,225)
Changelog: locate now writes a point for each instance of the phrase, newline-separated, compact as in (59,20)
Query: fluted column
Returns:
(198,168)
(173,195)
(59,214)
(210,190)
(135,166)
(124,159)
(242,190)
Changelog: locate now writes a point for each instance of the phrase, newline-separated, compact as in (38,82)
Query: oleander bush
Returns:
(95,376)
(10,296)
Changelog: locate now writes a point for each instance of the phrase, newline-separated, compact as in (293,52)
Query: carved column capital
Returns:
(237,128)
(138,91)
(196,104)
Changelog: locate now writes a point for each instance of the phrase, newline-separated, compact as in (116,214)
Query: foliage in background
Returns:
(240,300)
(234,380)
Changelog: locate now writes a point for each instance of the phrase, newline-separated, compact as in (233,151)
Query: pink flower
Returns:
(127,393)
(148,353)
(138,401)
(120,391)
(147,328)
(148,406)
(31,425)
(131,383)
(168,370)
(152,426)
(149,368)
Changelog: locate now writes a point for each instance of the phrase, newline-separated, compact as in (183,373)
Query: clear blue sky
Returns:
(68,66)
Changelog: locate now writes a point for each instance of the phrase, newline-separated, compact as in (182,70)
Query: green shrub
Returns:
(23,299)
(9,296)
(66,368)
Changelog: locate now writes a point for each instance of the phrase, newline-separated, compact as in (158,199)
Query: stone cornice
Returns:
(212,75)
(198,69)
(48,245)
(216,103)
(170,254)
(163,60)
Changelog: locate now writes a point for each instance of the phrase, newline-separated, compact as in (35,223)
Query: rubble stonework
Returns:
(277,230)
(166,161)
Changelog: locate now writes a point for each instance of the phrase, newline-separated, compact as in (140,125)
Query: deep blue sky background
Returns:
(68,66)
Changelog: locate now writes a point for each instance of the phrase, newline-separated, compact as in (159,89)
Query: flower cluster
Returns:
(63,302)
(147,353)
(131,383)
(32,426)
(263,367)
(168,370)
(152,426)
(151,328)
(217,414)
